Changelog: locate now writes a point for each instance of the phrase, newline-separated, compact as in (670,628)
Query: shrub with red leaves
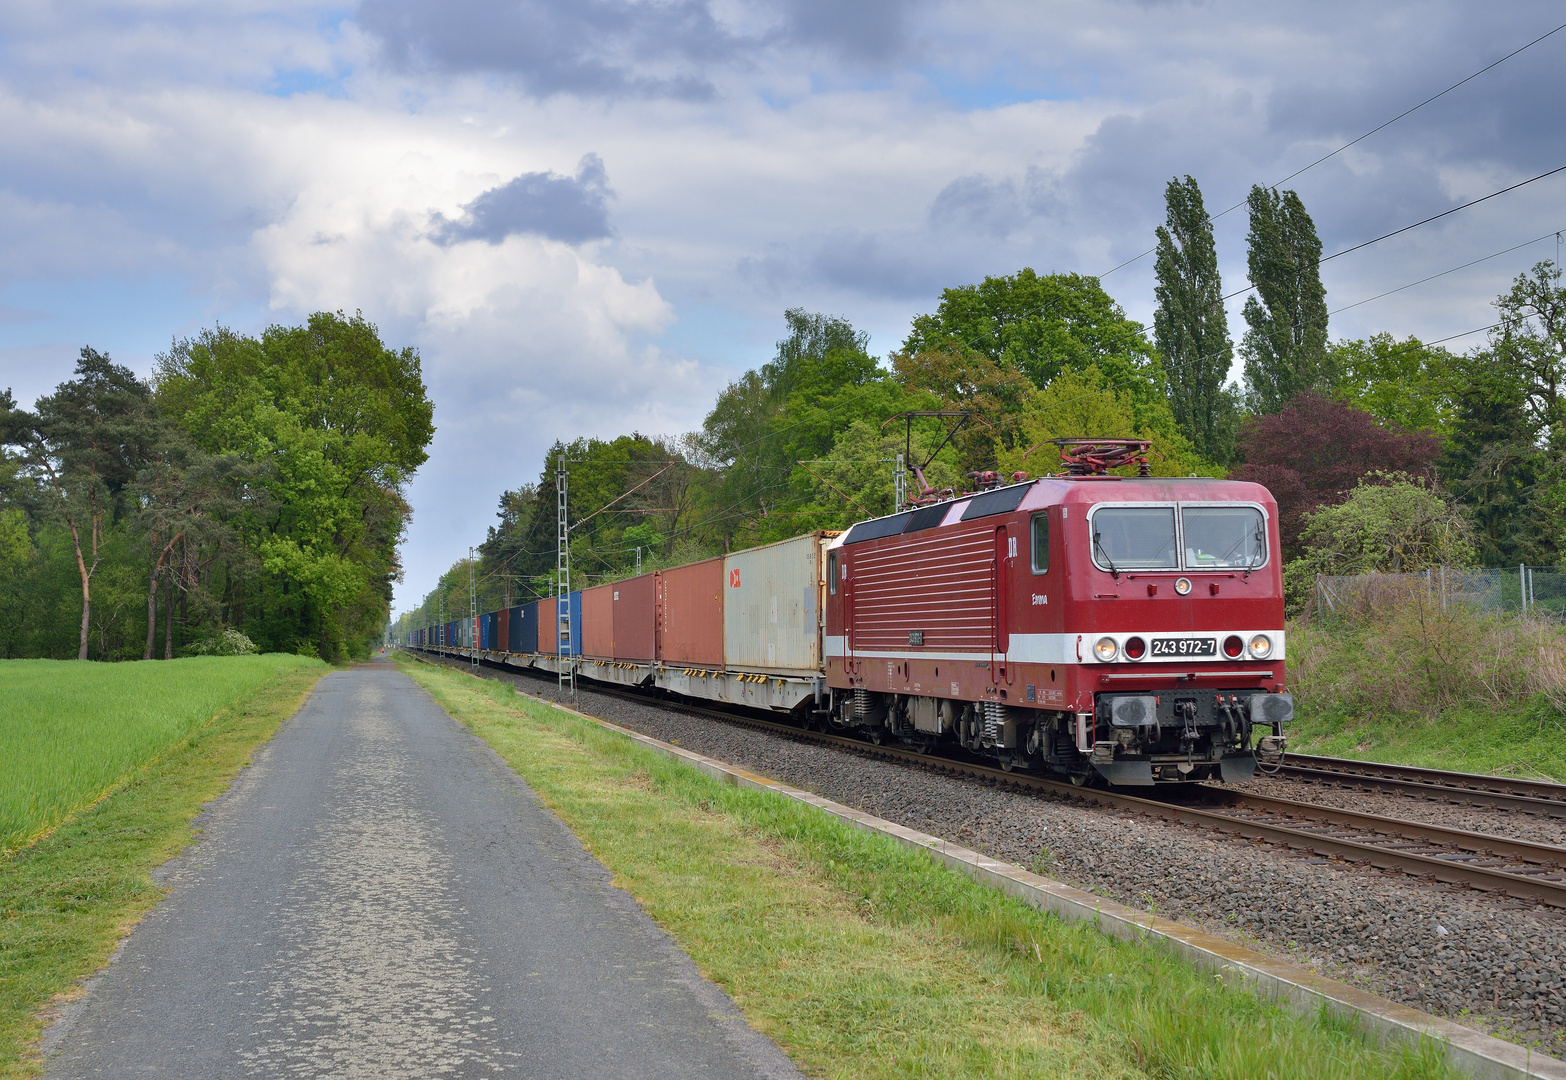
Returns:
(1313,453)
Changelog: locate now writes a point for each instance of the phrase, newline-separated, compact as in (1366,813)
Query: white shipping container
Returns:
(772,607)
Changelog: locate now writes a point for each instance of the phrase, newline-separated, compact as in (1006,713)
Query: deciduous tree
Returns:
(1285,345)
(1402,382)
(343,421)
(1317,449)
(1039,325)
(1530,344)
(1190,325)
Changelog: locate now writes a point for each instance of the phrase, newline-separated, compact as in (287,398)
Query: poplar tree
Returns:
(1190,325)
(1285,345)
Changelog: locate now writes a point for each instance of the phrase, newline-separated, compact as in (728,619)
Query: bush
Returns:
(1392,524)
(1403,654)
(228,643)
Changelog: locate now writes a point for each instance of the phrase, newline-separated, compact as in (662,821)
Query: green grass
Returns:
(1526,740)
(863,958)
(1408,683)
(68,899)
(72,732)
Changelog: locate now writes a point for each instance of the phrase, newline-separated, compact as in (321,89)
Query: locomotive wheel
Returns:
(1084,777)
(875,736)
(1007,762)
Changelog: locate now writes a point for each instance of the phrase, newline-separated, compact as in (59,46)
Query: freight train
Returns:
(1098,627)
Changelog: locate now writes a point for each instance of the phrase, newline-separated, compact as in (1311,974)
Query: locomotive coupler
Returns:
(1186,711)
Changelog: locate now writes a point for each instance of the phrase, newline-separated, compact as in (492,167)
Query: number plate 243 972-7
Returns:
(1203,646)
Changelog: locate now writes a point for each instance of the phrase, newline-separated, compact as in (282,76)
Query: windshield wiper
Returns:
(1099,546)
(1261,553)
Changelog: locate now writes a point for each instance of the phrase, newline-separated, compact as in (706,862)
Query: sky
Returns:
(589,215)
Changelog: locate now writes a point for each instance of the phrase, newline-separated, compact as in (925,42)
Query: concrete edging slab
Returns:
(1479,1054)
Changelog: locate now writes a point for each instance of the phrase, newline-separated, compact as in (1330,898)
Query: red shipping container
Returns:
(598,622)
(690,615)
(636,618)
(548,625)
(502,642)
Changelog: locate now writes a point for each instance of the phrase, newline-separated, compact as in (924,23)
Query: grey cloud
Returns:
(608,48)
(623,48)
(997,208)
(875,30)
(572,209)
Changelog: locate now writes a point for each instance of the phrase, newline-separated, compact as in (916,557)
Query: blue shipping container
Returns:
(550,608)
(524,629)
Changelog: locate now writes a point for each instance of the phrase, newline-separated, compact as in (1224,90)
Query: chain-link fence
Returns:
(1522,590)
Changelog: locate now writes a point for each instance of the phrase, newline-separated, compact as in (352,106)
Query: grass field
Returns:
(865,959)
(1526,740)
(66,900)
(1411,684)
(71,732)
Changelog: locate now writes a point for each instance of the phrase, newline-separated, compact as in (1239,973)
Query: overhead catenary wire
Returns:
(1362,138)
(1453,270)
(1425,221)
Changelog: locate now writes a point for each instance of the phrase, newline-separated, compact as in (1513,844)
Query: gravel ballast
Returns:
(1480,959)
(1494,821)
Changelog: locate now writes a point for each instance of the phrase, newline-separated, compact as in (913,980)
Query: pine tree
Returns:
(1285,347)
(1190,326)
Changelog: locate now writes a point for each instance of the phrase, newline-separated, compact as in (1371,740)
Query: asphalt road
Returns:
(380,896)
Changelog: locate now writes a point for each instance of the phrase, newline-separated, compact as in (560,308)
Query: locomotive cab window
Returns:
(1134,538)
(1041,543)
(832,572)
(1224,537)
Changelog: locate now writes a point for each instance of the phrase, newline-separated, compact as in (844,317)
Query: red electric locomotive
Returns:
(1128,627)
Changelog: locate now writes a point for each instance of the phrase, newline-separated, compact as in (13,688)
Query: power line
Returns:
(1432,277)
(1406,112)
(1444,213)
(1362,138)
(1465,333)
(1415,225)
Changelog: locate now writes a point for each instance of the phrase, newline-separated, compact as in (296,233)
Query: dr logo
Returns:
(734,579)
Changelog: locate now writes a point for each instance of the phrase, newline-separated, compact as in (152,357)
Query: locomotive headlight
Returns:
(1106,649)
(1182,585)
(1261,646)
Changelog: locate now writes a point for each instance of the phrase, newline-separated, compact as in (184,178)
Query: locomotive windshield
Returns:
(1135,538)
(1223,536)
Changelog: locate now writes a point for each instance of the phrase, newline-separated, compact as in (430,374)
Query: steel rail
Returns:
(1525,796)
(1542,881)
(1381,841)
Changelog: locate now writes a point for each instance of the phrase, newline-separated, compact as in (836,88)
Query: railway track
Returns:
(1525,871)
(1522,870)
(1524,796)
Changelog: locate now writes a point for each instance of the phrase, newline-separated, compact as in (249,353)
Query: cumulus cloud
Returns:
(848,157)
(572,209)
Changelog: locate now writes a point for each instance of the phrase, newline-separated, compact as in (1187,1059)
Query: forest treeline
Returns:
(1384,453)
(248,496)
